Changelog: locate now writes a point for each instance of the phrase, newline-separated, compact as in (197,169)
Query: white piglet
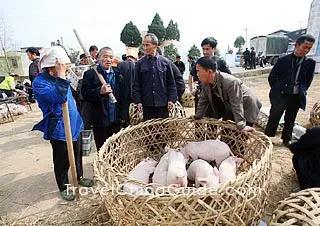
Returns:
(140,172)
(209,150)
(227,169)
(161,171)
(202,173)
(177,173)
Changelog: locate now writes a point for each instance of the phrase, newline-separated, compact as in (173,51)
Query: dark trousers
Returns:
(289,103)
(155,112)
(9,93)
(246,63)
(61,161)
(101,134)
(252,63)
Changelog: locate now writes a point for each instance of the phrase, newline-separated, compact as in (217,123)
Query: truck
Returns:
(271,47)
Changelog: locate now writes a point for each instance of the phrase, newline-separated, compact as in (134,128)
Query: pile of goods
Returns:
(15,109)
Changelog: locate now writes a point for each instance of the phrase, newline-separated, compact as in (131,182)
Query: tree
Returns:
(170,52)
(73,54)
(238,43)
(194,52)
(130,35)
(6,45)
(172,31)
(157,28)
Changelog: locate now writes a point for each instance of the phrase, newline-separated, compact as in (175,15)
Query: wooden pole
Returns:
(67,129)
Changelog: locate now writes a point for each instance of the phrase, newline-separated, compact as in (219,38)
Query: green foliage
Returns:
(238,43)
(157,28)
(130,35)
(172,31)
(194,52)
(170,52)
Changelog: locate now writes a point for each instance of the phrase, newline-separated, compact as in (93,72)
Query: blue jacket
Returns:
(280,76)
(154,84)
(50,94)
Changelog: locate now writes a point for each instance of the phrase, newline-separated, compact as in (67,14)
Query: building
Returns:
(292,35)
(314,29)
(279,32)
(12,63)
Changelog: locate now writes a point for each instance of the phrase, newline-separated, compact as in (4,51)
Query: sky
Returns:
(100,22)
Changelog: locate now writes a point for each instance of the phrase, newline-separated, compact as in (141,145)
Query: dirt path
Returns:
(27,183)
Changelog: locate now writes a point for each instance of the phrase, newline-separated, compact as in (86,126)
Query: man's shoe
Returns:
(67,195)
(86,182)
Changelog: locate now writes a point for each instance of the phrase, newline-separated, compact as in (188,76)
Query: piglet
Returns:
(140,172)
(202,173)
(209,150)
(177,173)
(161,171)
(227,169)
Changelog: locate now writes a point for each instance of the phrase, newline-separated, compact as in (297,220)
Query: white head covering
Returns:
(131,51)
(48,57)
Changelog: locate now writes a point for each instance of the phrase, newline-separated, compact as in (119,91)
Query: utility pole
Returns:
(246,29)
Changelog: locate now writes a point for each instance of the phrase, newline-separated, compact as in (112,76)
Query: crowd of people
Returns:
(154,84)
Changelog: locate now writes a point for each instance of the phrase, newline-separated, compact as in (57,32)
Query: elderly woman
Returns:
(51,90)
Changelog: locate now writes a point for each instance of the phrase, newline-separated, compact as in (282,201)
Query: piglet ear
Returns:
(215,171)
(239,161)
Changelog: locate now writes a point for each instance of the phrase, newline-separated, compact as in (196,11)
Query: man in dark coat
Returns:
(246,55)
(126,69)
(306,158)
(154,89)
(106,116)
(180,65)
(253,58)
(289,80)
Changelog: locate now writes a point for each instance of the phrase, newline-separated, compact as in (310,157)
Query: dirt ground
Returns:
(28,192)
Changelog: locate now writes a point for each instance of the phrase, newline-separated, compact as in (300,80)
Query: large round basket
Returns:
(136,117)
(239,202)
(315,115)
(301,208)
(188,99)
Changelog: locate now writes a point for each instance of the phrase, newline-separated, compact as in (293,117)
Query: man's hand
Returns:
(139,107)
(170,105)
(60,68)
(105,89)
(193,92)
(247,129)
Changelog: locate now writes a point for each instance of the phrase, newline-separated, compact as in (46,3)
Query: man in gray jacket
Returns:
(228,96)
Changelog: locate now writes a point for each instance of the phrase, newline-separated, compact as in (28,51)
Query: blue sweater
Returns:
(50,94)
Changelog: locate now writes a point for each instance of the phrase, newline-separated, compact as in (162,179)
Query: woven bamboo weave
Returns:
(136,117)
(239,202)
(301,208)
(188,99)
(262,121)
(315,115)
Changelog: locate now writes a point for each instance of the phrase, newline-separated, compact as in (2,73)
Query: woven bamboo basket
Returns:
(262,121)
(301,208)
(315,115)
(239,202)
(136,117)
(188,99)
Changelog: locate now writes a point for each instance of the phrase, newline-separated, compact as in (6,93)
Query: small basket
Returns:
(315,115)
(262,121)
(188,99)
(301,208)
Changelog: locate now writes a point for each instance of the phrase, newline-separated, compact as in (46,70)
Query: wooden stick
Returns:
(67,129)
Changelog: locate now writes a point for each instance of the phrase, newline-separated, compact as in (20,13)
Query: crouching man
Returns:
(228,97)
(51,90)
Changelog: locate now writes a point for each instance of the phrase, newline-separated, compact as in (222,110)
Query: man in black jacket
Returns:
(126,68)
(33,55)
(306,158)
(289,80)
(106,116)
(154,87)
(180,65)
